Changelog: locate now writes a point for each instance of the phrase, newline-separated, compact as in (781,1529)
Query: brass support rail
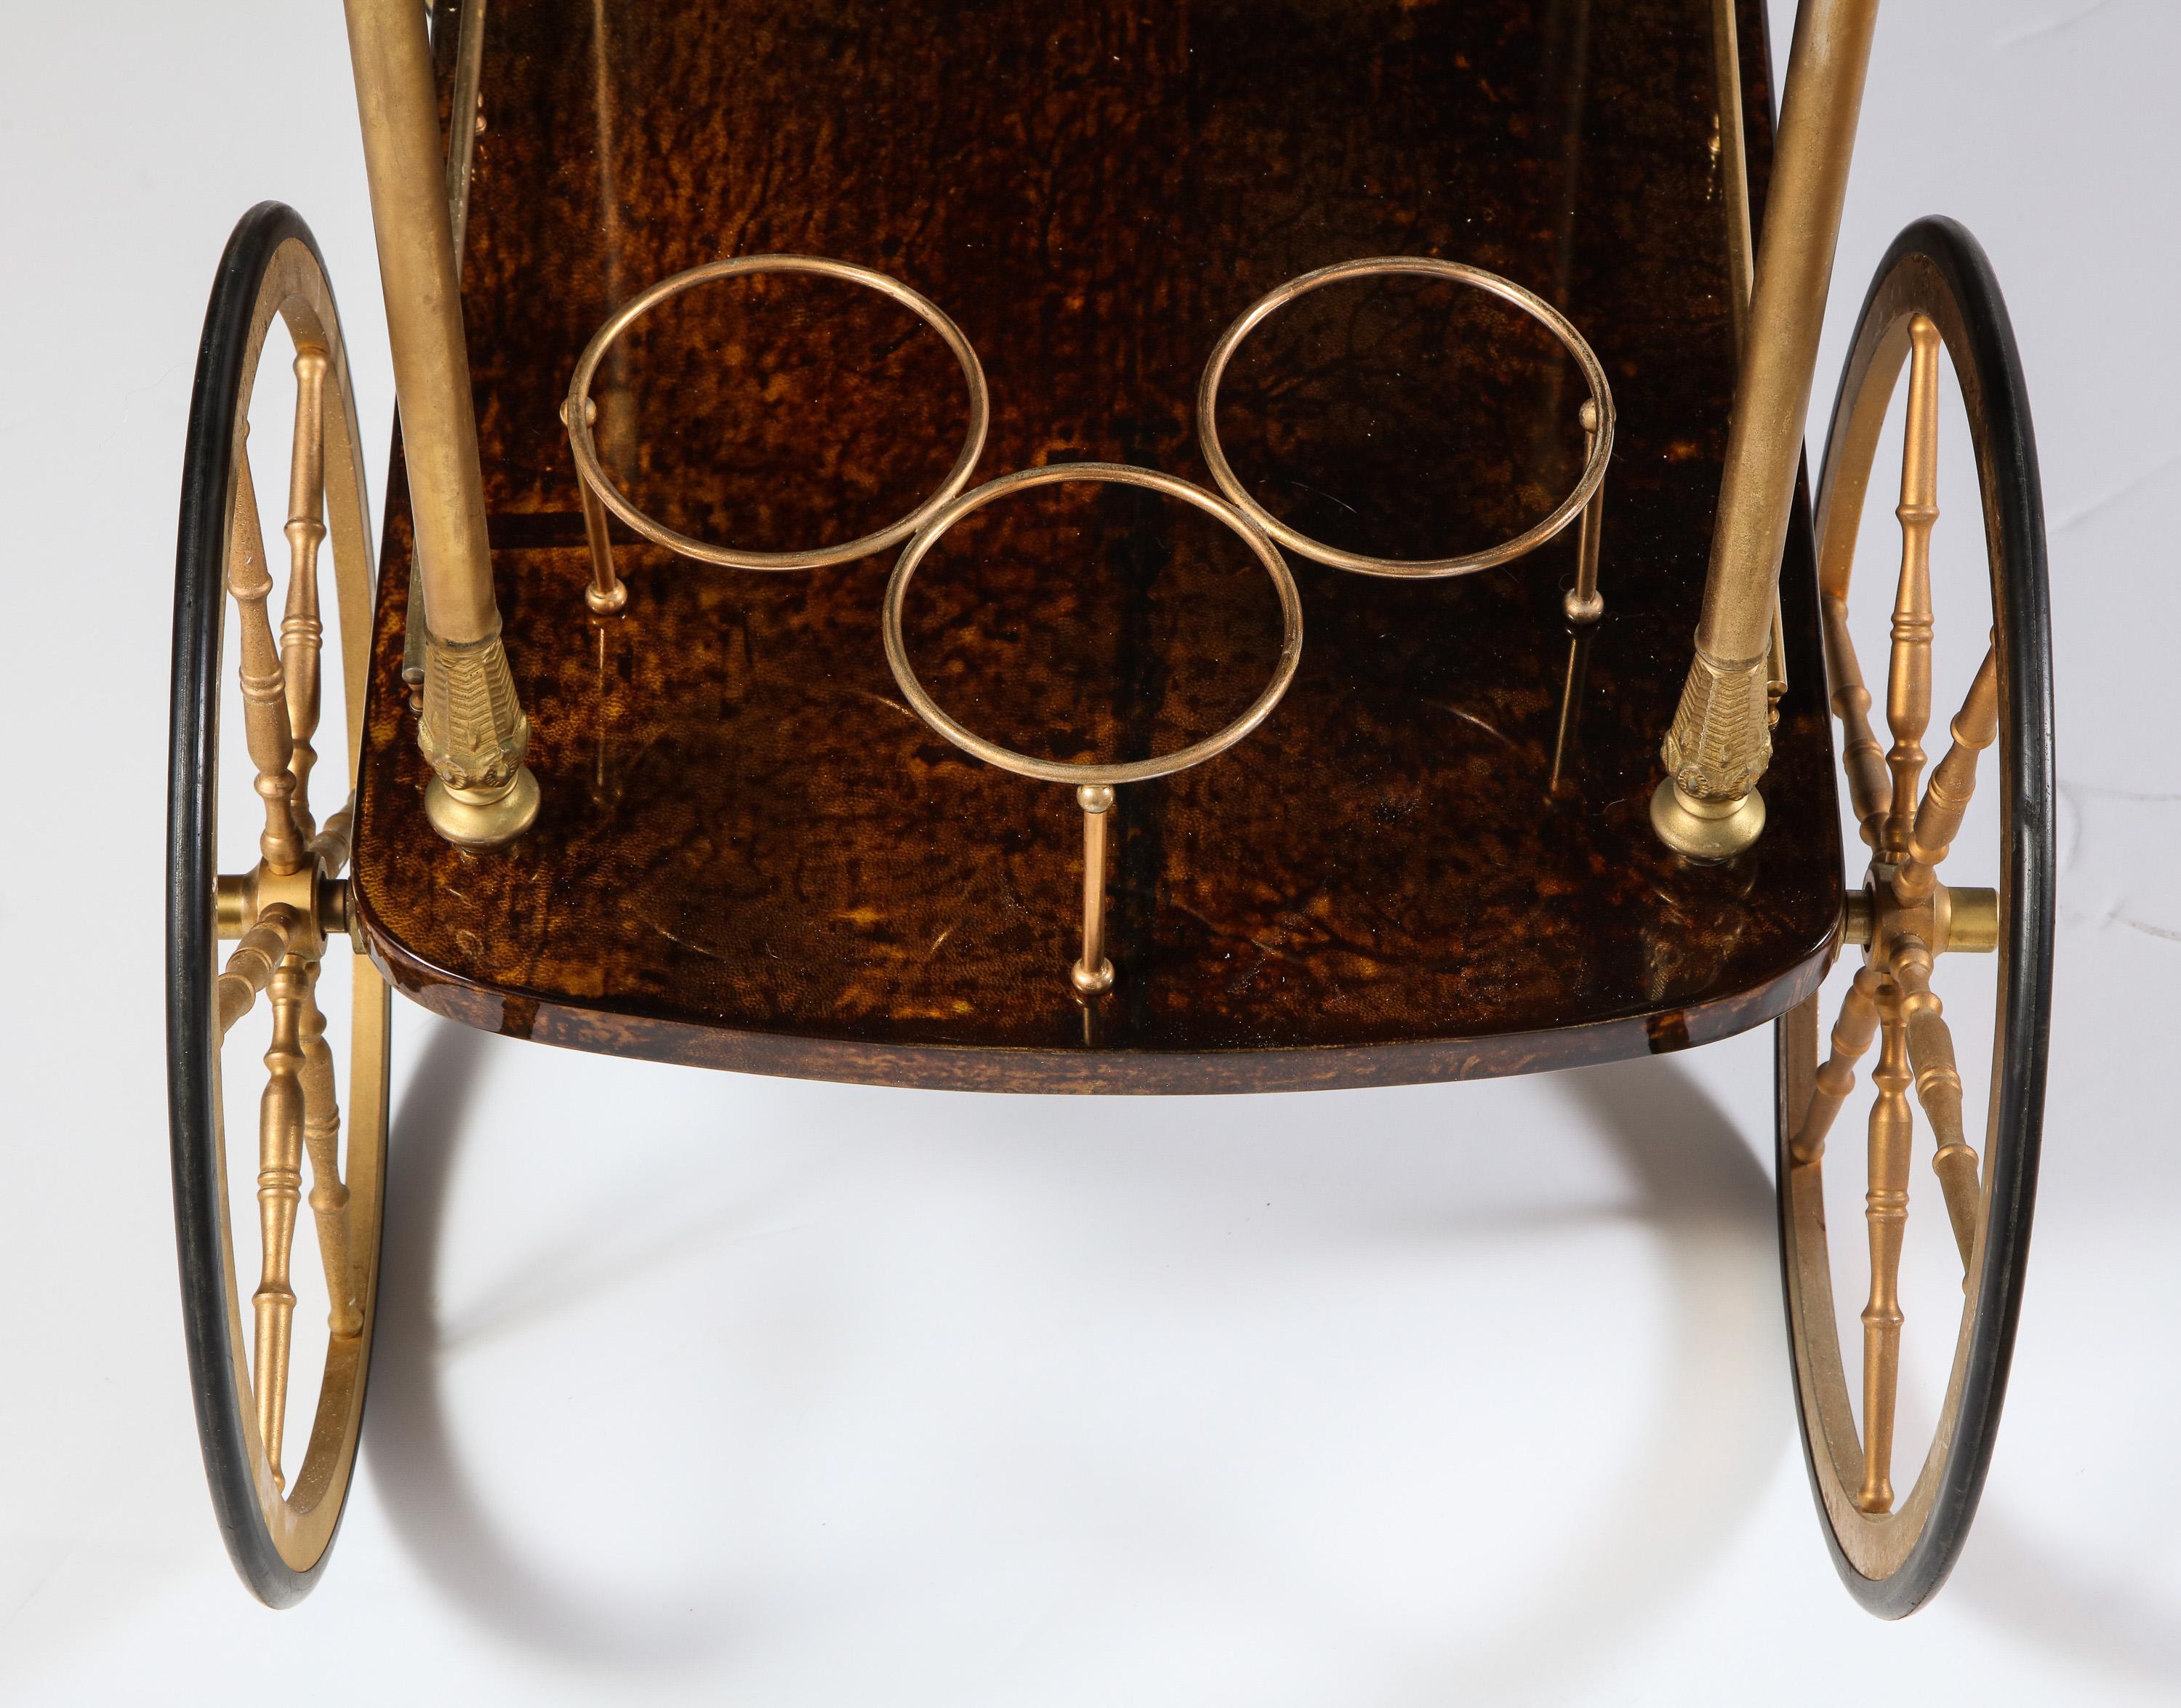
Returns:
(1707,806)
(472,728)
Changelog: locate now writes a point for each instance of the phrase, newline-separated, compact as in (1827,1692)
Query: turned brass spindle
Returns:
(1953,781)
(1584,603)
(1094,974)
(332,843)
(1909,677)
(1852,1035)
(301,629)
(322,1141)
(280,1118)
(264,683)
(250,966)
(1869,784)
(1939,1089)
(1886,1213)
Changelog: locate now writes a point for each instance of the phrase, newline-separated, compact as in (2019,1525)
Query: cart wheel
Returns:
(283,902)
(1894,1549)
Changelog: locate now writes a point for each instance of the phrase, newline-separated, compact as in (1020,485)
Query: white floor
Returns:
(697,1387)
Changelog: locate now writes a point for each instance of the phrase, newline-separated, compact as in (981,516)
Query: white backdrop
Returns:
(697,1387)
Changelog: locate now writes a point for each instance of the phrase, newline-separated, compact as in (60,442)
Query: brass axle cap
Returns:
(1949,919)
(318,899)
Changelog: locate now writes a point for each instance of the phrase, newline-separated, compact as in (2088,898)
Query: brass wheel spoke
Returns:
(321,1143)
(1885,1215)
(1939,1089)
(1953,783)
(1869,784)
(1908,675)
(264,683)
(1851,1036)
(250,966)
(301,629)
(280,1127)
(331,844)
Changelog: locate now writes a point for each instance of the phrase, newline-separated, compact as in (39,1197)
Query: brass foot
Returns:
(482,818)
(1705,831)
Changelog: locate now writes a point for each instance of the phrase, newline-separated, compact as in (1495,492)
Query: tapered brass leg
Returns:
(1570,718)
(1094,974)
(1886,1213)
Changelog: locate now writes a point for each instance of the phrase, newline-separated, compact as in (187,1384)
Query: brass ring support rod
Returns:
(1093,974)
(579,413)
(472,728)
(1583,603)
(1094,784)
(1707,806)
(1597,423)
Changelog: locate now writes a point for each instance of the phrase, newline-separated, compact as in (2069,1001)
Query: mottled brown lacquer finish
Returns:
(752,855)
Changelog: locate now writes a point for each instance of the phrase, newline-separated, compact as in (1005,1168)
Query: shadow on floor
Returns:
(1693,1467)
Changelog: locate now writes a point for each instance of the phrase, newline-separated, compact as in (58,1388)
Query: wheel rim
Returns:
(1894,1545)
(281,914)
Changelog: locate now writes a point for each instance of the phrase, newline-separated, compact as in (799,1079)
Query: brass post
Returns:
(1583,603)
(1094,974)
(472,728)
(1707,806)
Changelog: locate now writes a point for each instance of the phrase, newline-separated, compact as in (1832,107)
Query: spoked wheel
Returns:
(283,903)
(1896,1533)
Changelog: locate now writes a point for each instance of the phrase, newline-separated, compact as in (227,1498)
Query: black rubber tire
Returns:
(1948,259)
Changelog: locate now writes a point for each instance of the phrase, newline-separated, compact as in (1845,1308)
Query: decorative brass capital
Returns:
(474,732)
(1708,808)
(1719,744)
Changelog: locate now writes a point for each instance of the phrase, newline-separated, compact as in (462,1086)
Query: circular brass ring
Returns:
(1058,771)
(577,412)
(1601,394)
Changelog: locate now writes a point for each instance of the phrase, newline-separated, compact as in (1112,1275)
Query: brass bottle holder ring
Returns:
(1582,603)
(607,592)
(1093,973)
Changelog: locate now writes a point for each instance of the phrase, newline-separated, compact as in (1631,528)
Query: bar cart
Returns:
(1107,549)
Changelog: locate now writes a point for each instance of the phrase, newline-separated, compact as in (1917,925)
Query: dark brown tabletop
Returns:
(752,855)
